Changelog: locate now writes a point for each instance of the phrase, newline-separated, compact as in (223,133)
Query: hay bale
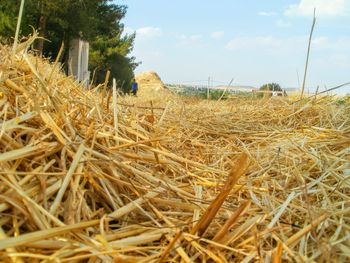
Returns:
(149,81)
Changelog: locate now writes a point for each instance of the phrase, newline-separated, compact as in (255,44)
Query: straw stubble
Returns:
(87,177)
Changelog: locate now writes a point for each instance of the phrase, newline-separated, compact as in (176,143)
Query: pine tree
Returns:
(97,21)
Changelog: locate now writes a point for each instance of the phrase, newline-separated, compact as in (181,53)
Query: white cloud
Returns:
(148,54)
(323,8)
(253,42)
(320,42)
(340,59)
(264,13)
(128,30)
(148,32)
(191,37)
(283,24)
(217,34)
(321,45)
(341,44)
(188,39)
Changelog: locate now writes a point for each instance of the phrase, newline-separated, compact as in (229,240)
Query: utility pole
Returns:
(208,89)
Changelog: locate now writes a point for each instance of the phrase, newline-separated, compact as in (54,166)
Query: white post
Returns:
(115,106)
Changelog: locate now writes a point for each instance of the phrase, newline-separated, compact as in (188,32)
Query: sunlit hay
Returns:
(181,179)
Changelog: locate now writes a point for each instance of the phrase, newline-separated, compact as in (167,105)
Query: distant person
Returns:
(134,88)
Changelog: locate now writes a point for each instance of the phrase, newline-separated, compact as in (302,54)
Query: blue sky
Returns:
(252,41)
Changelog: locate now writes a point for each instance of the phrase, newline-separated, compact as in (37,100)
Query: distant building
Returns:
(236,88)
(291,89)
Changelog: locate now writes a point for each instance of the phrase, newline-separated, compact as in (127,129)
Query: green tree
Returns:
(270,87)
(7,21)
(108,54)
(97,21)
(110,49)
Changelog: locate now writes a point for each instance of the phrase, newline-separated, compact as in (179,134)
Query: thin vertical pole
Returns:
(115,106)
(307,55)
(19,20)
(208,89)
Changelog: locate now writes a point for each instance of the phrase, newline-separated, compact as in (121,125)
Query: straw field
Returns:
(91,177)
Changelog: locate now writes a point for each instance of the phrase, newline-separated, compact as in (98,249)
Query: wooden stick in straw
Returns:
(326,91)
(19,20)
(43,234)
(142,107)
(307,55)
(115,106)
(277,255)
(166,251)
(282,209)
(20,153)
(163,115)
(106,79)
(229,223)
(10,250)
(305,230)
(66,180)
(237,171)
(56,61)
(224,92)
(135,204)
(10,84)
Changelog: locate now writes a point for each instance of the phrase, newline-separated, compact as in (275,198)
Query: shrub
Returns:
(216,94)
(270,87)
(203,93)
(344,100)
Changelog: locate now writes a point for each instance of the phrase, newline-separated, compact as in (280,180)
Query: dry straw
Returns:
(187,181)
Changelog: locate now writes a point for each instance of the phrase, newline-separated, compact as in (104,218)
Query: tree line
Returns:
(60,21)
